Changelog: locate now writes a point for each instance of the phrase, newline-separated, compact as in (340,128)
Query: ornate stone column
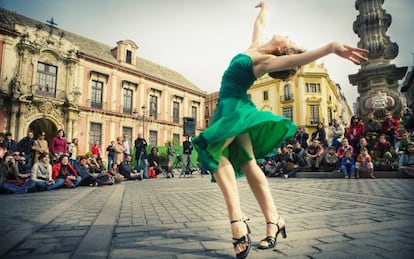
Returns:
(377,80)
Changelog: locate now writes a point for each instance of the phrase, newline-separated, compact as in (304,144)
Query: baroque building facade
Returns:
(307,99)
(52,79)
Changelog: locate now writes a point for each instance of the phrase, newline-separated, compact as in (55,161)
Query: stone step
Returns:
(321,174)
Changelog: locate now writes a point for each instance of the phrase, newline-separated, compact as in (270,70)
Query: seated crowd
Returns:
(360,149)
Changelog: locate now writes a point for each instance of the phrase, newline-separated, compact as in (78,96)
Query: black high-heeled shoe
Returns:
(271,241)
(243,240)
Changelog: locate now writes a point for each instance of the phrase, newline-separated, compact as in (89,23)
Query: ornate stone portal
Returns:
(26,105)
(377,80)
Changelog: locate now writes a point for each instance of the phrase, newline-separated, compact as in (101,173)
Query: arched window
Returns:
(287,92)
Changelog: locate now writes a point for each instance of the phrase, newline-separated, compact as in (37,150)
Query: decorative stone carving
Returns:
(377,80)
(370,26)
(51,109)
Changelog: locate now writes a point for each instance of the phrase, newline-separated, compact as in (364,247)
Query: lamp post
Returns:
(143,120)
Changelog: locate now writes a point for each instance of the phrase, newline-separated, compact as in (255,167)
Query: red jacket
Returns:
(356,130)
(391,124)
(56,169)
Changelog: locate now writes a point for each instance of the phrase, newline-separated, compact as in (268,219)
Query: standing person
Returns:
(40,146)
(187,150)
(9,143)
(119,151)
(96,149)
(24,146)
(141,155)
(170,158)
(239,133)
(59,145)
(126,144)
(73,151)
(111,154)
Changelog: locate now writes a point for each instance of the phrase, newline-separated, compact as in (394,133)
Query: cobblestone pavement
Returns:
(186,218)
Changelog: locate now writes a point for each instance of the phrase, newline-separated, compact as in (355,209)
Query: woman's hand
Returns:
(356,55)
(260,5)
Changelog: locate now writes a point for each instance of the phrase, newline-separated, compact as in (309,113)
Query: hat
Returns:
(289,146)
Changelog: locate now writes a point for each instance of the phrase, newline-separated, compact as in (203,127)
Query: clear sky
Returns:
(197,38)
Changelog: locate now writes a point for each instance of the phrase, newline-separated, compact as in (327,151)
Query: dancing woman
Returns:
(239,133)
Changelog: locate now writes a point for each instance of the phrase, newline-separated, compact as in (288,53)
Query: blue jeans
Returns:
(110,162)
(348,170)
(10,187)
(145,161)
(61,182)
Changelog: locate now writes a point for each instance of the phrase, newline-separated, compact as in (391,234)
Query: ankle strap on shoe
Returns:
(239,220)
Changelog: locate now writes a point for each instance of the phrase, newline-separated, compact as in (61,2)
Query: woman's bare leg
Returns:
(226,180)
(260,188)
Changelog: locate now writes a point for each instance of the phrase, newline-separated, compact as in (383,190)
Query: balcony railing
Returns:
(314,120)
(286,98)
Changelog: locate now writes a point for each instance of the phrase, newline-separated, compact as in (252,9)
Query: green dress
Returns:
(235,115)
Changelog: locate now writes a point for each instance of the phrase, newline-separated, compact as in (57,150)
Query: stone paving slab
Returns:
(187,218)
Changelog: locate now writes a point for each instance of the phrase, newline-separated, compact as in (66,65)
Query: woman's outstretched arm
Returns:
(259,25)
(278,63)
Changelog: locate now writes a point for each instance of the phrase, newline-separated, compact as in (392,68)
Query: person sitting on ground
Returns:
(320,135)
(96,165)
(401,145)
(82,167)
(126,169)
(391,127)
(406,162)
(154,161)
(336,133)
(364,163)
(302,137)
(348,165)
(362,143)
(355,130)
(314,155)
(64,174)
(331,161)
(42,174)
(14,180)
(291,165)
(345,146)
(115,174)
(383,154)
(372,130)
(300,152)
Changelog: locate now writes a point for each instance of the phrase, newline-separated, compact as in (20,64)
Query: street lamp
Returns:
(143,120)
